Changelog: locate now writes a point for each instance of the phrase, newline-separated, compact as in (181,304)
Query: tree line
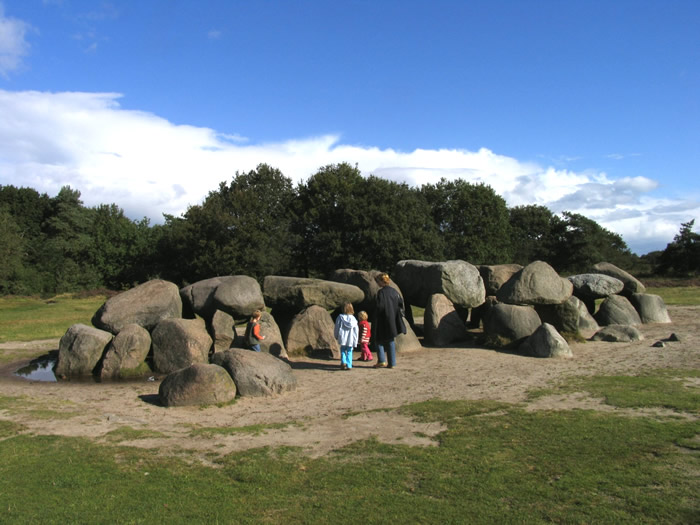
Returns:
(260,224)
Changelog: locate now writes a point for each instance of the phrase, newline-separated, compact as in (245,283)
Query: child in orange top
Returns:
(365,334)
(252,332)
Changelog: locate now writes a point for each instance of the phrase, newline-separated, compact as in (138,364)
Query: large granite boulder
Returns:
(618,333)
(365,281)
(256,373)
(197,384)
(273,342)
(79,351)
(570,317)
(237,295)
(441,323)
(497,275)
(407,342)
(591,286)
(617,309)
(178,343)
(458,280)
(631,284)
(311,332)
(546,342)
(145,305)
(222,330)
(537,283)
(294,294)
(508,325)
(651,308)
(126,353)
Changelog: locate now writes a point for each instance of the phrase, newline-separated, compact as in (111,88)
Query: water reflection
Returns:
(39,369)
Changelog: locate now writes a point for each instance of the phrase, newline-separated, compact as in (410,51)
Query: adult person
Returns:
(388,321)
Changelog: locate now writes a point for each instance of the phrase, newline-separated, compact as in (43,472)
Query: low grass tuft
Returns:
(666,388)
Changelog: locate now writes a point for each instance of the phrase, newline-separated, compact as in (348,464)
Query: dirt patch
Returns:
(332,407)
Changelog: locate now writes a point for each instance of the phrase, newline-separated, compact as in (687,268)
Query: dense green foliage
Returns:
(261,224)
(472,220)
(682,256)
(343,220)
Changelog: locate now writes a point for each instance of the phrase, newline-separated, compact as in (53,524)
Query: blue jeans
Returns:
(255,348)
(346,356)
(391,347)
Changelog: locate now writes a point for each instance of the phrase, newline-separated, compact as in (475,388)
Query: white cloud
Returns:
(13,44)
(149,166)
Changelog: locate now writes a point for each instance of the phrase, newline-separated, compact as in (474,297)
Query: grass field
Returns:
(495,463)
(33,318)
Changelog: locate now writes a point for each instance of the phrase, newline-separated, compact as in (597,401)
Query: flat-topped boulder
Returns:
(618,333)
(197,384)
(79,350)
(145,305)
(592,286)
(256,373)
(631,283)
(297,293)
(497,275)
(458,280)
(365,281)
(536,283)
(237,295)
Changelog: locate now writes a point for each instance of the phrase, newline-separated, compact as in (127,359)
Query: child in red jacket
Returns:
(365,334)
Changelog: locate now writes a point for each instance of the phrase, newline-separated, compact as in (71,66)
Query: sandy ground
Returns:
(332,408)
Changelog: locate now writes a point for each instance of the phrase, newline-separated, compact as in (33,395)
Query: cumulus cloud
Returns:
(13,43)
(150,166)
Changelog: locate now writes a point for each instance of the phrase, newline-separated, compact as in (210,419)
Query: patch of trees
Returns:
(260,224)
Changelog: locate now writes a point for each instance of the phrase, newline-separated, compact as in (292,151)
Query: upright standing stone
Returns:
(178,343)
(80,349)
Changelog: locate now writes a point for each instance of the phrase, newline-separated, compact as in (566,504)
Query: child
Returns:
(252,332)
(365,334)
(346,334)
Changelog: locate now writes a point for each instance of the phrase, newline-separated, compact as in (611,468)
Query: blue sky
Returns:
(586,106)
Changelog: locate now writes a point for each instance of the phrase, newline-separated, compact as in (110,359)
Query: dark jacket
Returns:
(388,322)
(250,335)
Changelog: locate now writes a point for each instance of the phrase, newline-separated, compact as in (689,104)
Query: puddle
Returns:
(40,369)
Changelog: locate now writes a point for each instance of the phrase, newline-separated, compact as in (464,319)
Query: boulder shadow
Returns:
(151,399)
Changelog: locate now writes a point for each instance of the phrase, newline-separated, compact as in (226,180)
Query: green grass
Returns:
(33,318)
(254,430)
(671,389)
(25,405)
(131,434)
(495,464)
(677,295)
